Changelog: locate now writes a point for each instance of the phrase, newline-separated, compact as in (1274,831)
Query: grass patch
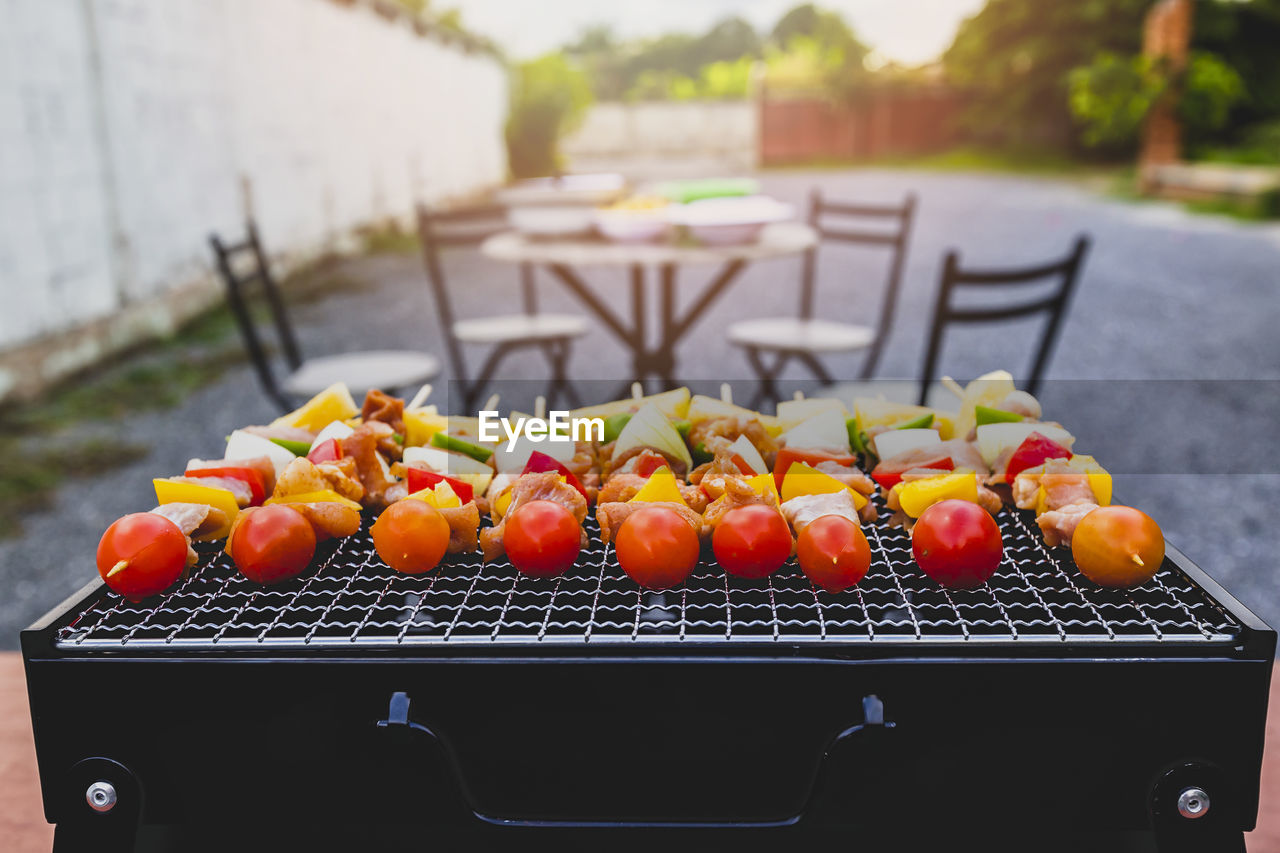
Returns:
(29,480)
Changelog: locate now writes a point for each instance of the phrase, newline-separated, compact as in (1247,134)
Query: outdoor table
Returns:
(563,256)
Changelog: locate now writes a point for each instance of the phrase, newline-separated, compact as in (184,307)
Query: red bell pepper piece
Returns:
(540,462)
(648,463)
(1035,450)
(421,478)
(889,476)
(787,456)
(257,488)
(326,451)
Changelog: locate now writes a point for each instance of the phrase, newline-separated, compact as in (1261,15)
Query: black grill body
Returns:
(473,700)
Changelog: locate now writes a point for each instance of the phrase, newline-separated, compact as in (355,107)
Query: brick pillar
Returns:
(1166,36)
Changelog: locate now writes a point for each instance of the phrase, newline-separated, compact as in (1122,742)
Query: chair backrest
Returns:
(898,218)
(1067,271)
(440,229)
(238,283)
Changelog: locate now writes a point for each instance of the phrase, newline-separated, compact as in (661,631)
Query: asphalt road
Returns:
(1168,368)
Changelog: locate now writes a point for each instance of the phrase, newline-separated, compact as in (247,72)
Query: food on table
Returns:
(270,544)
(142,554)
(542,537)
(957,543)
(1118,546)
(752,541)
(411,536)
(658,546)
(833,552)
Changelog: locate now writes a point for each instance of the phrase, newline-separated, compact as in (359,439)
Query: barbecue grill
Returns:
(473,698)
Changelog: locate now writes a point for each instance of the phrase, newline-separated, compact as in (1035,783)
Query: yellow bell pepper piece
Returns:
(440,496)
(802,479)
(918,495)
(323,496)
(421,424)
(501,504)
(332,404)
(169,492)
(661,486)
(765,483)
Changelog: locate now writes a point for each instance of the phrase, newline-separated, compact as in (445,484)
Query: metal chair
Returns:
(1055,305)
(506,333)
(385,370)
(804,338)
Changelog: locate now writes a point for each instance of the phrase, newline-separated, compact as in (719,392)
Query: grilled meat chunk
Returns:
(802,510)
(611,516)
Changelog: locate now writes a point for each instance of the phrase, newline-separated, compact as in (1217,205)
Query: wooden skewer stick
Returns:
(491,405)
(726,393)
(1137,560)
(799,395)
(540,406)
(421,397)
(953,386)
(637,390)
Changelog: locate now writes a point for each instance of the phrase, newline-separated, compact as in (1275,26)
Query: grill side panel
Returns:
(638,740)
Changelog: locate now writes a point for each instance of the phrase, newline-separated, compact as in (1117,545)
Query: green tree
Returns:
(1014,59)
(549,97)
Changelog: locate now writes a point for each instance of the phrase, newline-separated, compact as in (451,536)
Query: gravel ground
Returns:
(1183,308)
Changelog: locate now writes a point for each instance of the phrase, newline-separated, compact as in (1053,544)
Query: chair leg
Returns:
(557,352)
(768,389)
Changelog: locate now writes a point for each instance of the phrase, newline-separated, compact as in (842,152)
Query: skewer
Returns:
(799,395)
(421,397)
(637,390)
(491,404)
(1137,560)
(726,393)
(953,386)
(540,407)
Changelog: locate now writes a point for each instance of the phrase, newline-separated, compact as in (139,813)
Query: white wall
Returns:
(127,129)
(725,131)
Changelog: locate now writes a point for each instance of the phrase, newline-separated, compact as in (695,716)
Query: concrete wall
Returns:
(130,129)
(662,132)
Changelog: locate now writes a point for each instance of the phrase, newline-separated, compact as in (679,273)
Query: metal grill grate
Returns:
(353,599)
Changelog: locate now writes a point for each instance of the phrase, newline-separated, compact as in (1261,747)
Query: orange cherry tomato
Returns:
(542,539)
(833,552)
(957,543)
(1118,546)
(270,544)
(656,547)
(411,536)
(752,541)
(141,554)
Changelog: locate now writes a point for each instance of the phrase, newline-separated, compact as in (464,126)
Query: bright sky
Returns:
(907,31)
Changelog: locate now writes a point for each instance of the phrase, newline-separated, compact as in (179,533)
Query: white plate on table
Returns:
(632,226)
(730,221)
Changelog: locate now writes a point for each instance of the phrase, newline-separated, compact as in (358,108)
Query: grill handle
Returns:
(873,721)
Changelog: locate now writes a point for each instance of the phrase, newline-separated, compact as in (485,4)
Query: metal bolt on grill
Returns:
(352,598)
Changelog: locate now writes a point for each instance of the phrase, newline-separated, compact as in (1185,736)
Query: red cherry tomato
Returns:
(957,543)
(833,552)
(271,544)
(142,554)
(542,539)
(411,536)
(656,547)
(752,541)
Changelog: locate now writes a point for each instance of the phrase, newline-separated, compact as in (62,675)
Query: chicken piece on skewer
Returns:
(729,428)
(800,511)
(374,473)
(611,515)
